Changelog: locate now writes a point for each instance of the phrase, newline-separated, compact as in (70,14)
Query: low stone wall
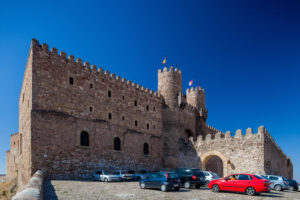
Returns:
(33,190)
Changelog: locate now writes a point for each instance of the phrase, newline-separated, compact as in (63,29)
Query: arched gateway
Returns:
(216,162)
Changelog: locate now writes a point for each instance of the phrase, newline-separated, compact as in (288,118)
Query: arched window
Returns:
(117,144)
(146,149)
(84,139)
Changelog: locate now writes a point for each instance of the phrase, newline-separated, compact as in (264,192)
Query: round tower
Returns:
(196,97)
(170,85)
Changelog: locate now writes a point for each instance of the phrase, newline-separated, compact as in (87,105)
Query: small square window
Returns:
(71,80)
(109,116)
(136,123)
(91,86)
(109,93)
(123,97)
(123,118)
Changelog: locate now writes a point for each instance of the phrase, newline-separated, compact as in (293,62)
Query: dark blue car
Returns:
(161,180)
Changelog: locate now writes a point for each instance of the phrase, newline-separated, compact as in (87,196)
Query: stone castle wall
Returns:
(61,98)
(12,157)
(103,105)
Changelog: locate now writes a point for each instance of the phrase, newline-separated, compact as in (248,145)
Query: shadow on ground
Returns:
(49,191)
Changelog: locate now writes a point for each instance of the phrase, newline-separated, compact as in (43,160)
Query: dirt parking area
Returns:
(86,190)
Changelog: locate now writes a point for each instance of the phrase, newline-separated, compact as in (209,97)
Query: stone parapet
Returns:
(33,190)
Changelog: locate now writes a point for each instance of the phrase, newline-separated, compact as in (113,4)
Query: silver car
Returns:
(209,176)
(124,175)
(101,175)
(278,183)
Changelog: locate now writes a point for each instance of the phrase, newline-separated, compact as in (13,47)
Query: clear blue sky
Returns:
(246,54)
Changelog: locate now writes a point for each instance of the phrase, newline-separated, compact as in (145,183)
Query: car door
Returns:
(150,180)
(229,183)
(97,175)
(273,181)
(242,182)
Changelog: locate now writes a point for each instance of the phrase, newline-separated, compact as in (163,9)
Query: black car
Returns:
(163,180)
(293,185)
(190,177)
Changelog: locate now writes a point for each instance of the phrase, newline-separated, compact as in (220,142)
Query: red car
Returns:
(246,183)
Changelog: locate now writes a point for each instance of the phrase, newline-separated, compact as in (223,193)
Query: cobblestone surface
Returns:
(75,190)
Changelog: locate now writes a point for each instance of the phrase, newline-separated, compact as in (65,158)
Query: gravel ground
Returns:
(86,190)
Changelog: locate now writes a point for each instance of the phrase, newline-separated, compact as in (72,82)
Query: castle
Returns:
(75,118)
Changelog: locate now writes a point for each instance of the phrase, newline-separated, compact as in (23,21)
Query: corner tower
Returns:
(170,85)
(196,97)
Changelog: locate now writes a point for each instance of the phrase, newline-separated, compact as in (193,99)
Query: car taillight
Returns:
(167,175)
(194,177)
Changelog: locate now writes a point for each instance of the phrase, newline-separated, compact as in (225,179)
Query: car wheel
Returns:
(187,185)
(163,188)
(177,189)
(278,187)
(215,188)
(142,186)
(291,188)
(106,180)
(139,178)
(250,191)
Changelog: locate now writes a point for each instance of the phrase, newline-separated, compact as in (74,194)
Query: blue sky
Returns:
(246,54)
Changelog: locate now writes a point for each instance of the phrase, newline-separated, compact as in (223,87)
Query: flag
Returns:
(191,83)
(164,61)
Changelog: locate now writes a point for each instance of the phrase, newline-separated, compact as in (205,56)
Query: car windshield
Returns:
(130,172)
(258,177)
(141,172)
(284,179)
(215,175)
(265,177)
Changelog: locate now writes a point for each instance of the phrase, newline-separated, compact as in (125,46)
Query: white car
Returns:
(101,175)
(209,176)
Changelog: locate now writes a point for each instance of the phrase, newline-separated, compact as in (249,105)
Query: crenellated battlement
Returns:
(197,90)
(227,136)
(170,70)
(213,129)
(78,62)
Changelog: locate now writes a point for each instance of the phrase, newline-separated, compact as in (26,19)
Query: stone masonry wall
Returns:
(62,110)
(12,157)
(240,154)
(276,162)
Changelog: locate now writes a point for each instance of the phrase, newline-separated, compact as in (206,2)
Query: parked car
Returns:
(141,174)
(278,183)
(101,175)
(164,180)
(293,185)
(124,175)
(190,177)
(298,186)
(245,183)
(209,176)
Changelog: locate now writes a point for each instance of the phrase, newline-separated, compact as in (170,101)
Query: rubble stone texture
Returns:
(62,97)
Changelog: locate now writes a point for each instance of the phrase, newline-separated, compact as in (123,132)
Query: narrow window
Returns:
(109,93)
(136,123)
(91,86)
(154,126)
(71,80)
(123,97)
(123,118)
(91,109)
(148,126)
(117,144)
(84,138)
(109,116)
(146,149)
(135,103)
(147,107)
(154,109)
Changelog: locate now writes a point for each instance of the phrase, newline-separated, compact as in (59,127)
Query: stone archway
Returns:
(215,161)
